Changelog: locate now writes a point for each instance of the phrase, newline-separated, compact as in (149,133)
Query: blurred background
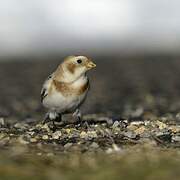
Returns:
(97,26)
(134,43)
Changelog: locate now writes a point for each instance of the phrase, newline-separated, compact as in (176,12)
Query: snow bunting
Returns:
(65,90)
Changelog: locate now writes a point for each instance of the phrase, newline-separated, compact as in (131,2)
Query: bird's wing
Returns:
(44,93)
(44,90)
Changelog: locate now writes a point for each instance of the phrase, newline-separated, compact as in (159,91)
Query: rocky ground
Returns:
(130,128)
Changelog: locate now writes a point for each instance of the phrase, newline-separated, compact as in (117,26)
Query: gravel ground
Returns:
(130,128)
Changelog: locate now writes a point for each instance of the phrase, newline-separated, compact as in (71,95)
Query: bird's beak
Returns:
(90,65)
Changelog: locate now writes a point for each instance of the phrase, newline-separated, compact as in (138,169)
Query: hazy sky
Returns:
(57,25)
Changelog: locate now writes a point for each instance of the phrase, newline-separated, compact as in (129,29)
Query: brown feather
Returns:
(71,67)
(66,88)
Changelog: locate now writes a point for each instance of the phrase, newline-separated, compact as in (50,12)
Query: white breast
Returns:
(56,101)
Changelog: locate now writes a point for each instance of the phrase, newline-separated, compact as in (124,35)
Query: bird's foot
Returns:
(52,117)
(46,119)
(54,126)
(57,119)
(78,116)
(86,125)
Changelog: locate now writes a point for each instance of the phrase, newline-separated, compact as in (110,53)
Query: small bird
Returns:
(65,90)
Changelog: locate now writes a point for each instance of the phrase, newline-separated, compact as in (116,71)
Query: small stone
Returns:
(45,126)
(130,134)
(94,145)
(33,140)
(176,138)
(115,124)
(83,134)
(140,130)
(31,133)
(137,123)
(56,135)
(174,129)
(92,134)
(132,127)
(45,137)
(147,123)
(68,131)
(20,126)
(161,125)
(68,145)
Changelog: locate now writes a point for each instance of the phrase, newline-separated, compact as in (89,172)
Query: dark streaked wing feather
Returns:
(44,91)
(43,94)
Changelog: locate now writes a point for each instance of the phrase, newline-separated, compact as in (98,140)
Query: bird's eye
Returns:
(79,61)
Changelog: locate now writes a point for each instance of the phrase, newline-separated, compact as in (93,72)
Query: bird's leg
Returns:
(46,118)
(54,126)
(87,125)
(77,114)
(51,116)
(58,117)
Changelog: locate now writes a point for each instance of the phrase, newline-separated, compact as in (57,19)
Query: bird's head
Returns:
(76,66)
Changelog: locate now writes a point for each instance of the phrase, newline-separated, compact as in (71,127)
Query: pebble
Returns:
(21,126)
(132,127)
(68,145)
(45,137)
(83,134)
(56,135)
(33,140)
(130,134)
(68,131)
(137,123)
(92,134)
(161,125)
(45,126)
(140,130)
(94,145)
(174,129)
(175,138)
(99,135)
(115,124)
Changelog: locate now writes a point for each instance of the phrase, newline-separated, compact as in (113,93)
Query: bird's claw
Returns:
(46,119)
